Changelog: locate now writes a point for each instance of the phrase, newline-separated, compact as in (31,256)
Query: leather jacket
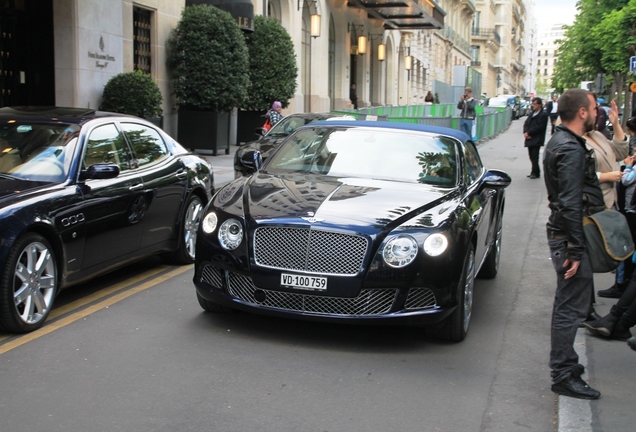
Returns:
(573,188)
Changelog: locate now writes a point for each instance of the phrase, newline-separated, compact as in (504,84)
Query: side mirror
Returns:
(100,172)
(252,160)
(496,179)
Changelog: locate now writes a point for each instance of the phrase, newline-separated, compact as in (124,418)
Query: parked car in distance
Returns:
(356,222)
(83,192)
(525,108)
(276,135)
(511,101)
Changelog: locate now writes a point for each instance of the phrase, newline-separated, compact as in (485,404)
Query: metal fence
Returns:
(489,121)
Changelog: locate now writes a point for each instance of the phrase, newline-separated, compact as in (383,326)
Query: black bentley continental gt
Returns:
(357,222)
(83,192)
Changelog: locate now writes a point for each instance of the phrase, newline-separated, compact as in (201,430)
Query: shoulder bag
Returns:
(608,240)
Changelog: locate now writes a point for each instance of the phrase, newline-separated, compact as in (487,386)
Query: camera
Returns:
(465,96)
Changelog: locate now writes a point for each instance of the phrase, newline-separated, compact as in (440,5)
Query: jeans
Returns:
(571,306)
(466,125)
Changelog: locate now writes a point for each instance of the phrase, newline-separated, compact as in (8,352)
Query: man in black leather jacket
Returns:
(573,190)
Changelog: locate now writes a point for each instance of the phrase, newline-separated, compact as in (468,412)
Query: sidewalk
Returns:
(610,368)
(610,365)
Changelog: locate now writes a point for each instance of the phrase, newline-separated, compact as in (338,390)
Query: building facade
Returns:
(63,52)
(498,46)
(546,58)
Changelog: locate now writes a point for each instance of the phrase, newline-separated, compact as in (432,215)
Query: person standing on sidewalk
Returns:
(552,109)
(534,132)
(467,104)
(573,190)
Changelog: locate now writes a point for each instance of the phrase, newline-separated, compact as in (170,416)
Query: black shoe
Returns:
(615,291)
(575,387)
(632,343)
(620,332)
(592,316)
(532,176)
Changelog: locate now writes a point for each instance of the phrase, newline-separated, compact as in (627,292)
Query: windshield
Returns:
(290,123)
(40,152)
(498,102)
(372,153)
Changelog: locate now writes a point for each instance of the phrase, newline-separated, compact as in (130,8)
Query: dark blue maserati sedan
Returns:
(356,222)
(84,192)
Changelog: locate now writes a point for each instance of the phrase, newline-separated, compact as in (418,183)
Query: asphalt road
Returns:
(133,351)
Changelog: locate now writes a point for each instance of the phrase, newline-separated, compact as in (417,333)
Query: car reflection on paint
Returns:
(363,222)
(84,192)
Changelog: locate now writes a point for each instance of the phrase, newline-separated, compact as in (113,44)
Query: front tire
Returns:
(29,285)
(490,268)
(455,327)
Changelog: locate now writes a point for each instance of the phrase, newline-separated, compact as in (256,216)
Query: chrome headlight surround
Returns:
(435,244)
(399,250)
(230,234)
(209,223)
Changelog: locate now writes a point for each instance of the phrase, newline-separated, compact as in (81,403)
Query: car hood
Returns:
(14,190)
(362,205)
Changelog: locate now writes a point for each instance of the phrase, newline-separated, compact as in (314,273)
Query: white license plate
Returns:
(303,282)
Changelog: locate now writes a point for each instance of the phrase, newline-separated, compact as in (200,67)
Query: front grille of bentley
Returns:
(308,250)
(368,302)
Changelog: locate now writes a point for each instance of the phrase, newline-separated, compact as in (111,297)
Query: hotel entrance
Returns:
(26,53)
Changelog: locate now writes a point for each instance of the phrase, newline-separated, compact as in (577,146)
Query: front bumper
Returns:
(412,306)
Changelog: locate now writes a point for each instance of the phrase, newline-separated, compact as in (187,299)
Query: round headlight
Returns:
(399,251)
(435,244)
(208,224)
(230,234)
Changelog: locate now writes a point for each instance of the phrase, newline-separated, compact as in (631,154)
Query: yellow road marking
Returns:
(93,308)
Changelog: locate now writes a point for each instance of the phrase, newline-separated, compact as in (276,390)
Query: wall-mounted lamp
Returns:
(362,44)
(408,62)
(381,52)
(381,46)
(314,27)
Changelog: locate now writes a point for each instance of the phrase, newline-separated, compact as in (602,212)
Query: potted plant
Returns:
(133,93)
(208,63)
(272,73)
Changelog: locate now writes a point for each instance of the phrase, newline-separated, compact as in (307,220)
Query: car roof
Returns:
(53,113)
(394,125)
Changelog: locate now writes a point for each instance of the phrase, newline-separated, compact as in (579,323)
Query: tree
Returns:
(272,65)
(208,60)
(580,52)
(133,93)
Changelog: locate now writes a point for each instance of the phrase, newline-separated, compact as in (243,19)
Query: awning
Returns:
(403,14)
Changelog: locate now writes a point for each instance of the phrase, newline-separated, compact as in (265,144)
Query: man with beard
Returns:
(573,191)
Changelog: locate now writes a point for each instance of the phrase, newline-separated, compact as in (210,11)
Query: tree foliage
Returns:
(272,65)
(133,93)
(600,41)
(208,60)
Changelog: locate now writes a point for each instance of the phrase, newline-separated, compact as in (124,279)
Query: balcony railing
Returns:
(476,63)
(487,33)
(455,38)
